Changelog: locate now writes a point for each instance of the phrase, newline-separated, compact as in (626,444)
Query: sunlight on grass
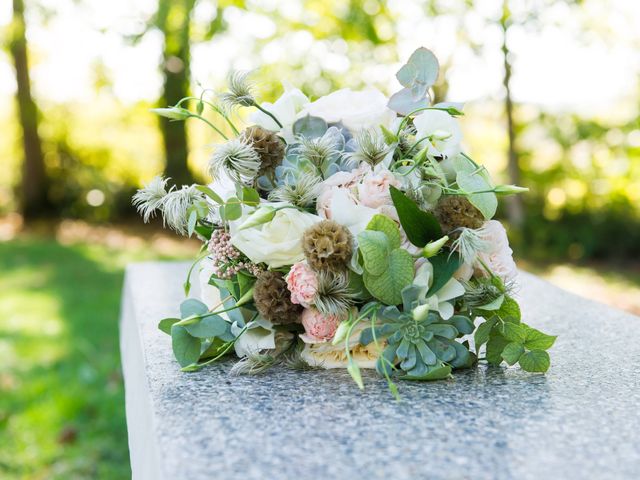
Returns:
(61,392)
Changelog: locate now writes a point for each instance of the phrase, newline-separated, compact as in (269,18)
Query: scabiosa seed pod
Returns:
(273,299)
(455,211)
(268,145)
(327,245)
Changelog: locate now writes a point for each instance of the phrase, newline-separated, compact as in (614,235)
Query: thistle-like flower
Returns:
(150,198)
(469,243)
(301,194)
(175,207)
(334,297)
(237,159)
(371,148)
(241,91)
(317,151)
(482,291)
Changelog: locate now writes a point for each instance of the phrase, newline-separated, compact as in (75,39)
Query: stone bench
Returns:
(578,421)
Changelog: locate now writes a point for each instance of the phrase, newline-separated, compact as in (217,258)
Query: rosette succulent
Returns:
(420,341)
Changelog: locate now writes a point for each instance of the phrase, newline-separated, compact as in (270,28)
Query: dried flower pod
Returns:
(268,145)
(455,211)
(327,245)
(273,299)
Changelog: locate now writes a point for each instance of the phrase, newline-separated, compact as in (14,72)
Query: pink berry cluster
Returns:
(227,259)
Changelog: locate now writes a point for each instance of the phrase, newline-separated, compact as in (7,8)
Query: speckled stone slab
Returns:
(579,421)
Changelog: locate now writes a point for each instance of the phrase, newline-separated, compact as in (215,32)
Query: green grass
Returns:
(61,390)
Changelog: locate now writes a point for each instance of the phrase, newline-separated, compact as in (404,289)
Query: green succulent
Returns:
(422,342)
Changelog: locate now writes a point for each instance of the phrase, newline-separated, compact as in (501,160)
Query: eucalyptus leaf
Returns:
(207,327)
(185,347)
(402,102)
(192,306)
(165,324)
(310,127)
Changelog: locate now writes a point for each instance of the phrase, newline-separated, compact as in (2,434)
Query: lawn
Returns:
(61,391)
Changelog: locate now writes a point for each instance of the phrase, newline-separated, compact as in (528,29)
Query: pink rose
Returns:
(318,328)
(302,282)
(374,190)
(499,258)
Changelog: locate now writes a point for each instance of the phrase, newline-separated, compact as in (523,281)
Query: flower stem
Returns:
(266,112)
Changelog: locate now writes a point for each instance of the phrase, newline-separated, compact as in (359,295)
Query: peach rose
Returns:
(373,191)
(499,258)
(318,328)
(302,282)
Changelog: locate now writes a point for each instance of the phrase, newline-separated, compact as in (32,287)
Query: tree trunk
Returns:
(515,209)
(174,21)
(33,195)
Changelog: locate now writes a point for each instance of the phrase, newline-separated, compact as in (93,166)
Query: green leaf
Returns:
(191,222)
(245,282)
(495,346)
(444,265)
(483,331)
(172,113)
(510,310)
(512,352)
(247,195)
(374,248)
(384,224)
(535,361)
(166,323)
(185,347)
(200,107)
(471,179)
(354,371)
(232,210)
(310,127)
(191,306)
(420,227)
(438,372)
(493,305)
(388,286)
(536,340)
(210,193)
(514,332)
(207,327)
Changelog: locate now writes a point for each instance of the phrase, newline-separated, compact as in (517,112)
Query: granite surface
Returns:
(579,421)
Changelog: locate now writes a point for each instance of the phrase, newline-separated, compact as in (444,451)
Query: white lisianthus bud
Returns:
(341,333)
(432,248)
(509,189)
(420,313)
(173,113)
(440,135)
(260,216)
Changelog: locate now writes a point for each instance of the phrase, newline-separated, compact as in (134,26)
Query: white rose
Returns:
(441,300)
(499,258)
(339,205)
(356,110)
(441,130)
(326,355)
(276,243)
(285,109)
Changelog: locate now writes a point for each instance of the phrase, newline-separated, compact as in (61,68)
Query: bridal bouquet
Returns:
(347,232)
